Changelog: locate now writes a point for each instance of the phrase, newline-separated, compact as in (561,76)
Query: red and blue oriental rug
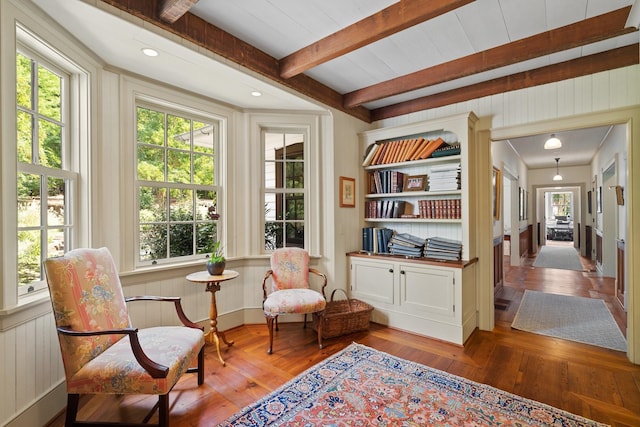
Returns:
(361,386)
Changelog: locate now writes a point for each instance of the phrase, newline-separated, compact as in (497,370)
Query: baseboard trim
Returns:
(43,410)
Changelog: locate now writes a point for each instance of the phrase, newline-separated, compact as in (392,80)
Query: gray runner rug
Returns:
(584,320)
(562,257)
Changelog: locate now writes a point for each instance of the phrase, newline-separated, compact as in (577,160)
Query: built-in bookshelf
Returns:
(418,263)
(416,181)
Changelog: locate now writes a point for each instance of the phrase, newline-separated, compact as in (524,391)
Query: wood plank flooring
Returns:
(596,383)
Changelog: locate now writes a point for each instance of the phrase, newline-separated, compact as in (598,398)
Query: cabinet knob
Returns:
(401,271)
(391,270)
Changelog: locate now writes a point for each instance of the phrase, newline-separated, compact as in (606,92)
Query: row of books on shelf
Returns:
(406,150)
(440,209)
(384,208)
(382,240)
(444,177)
(385,181)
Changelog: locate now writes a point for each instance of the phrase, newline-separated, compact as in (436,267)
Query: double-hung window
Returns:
(45,178)
(177,192)
(284,188)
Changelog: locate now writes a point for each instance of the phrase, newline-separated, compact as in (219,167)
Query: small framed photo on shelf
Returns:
(414,183)
(347,192)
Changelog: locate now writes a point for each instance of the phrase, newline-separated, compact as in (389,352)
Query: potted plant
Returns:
(217,262)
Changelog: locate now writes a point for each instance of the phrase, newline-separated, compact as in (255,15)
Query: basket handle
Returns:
(345,294)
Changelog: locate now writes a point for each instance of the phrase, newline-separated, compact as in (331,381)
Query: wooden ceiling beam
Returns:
(225,45)
(393,19)
(591,30)
(609,60)
(172,10)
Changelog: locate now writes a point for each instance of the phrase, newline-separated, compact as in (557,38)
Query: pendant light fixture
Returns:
(552,143)
(558,177)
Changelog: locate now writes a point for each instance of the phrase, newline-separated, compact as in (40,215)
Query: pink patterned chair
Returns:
(102,352)
(289,292)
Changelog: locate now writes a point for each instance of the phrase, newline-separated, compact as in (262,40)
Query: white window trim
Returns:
(53,45)
(135,91)
(310,125)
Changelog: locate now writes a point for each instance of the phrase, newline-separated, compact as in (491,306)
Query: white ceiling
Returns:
(280,27)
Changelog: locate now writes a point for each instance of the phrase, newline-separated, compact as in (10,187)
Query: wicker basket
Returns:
(343,317)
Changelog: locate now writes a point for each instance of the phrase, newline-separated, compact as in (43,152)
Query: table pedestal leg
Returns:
(213,336)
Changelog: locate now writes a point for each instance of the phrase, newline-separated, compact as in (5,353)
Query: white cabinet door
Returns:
(427,291)
(373,281)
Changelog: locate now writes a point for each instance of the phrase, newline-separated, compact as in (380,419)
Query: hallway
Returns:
(588,284)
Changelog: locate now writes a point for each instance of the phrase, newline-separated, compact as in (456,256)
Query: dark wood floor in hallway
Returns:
(596,383)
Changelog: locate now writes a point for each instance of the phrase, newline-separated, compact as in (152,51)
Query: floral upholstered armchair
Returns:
(102,352)
(290,292)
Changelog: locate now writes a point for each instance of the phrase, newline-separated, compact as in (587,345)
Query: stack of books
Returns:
(401,151)
(441,248)
(376,240)
(444,177)
(406,244)
(447,150)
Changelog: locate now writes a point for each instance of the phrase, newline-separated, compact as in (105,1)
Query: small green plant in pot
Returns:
(217,262)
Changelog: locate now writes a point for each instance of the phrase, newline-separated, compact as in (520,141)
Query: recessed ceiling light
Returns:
(149,52)
(256,93)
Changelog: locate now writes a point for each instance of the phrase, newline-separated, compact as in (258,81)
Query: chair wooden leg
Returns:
(201,366)
(72,409)
(304,325)
(320,322)
(270,321)
(163,410)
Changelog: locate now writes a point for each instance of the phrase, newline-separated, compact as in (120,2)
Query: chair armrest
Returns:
(264,285)
(154,369)
(324,279)
(178,303)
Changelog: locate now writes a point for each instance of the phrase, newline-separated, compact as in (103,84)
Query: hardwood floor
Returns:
(596,383)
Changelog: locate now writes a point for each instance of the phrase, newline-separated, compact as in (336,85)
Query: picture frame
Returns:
(496,194)
(347,192)
(599,200)
(414,183)
(619,195)
(589,202)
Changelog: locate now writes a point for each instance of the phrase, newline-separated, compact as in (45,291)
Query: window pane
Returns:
(181,205)
(56,201)
(55,245)
(153,204)
(153,242)
(273,143)
(23,81)
(206,235)
(203,169)
(28,256)
(24,127)
(294,203)
(150,129)
(295,174)
(270,175)
(295,234)
(50,138)
(203,137)
(29,207)
(206,208)
(295,146)
(273,235)
(49,94)
(179,132)
(181,239)
(178,166)
(150,163)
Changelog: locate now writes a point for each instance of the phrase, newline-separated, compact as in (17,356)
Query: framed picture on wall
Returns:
(589,202)
(599,199)
(496,185)
(347,192)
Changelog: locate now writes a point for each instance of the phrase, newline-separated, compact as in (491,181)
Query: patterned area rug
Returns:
(579,319)
(361,386)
